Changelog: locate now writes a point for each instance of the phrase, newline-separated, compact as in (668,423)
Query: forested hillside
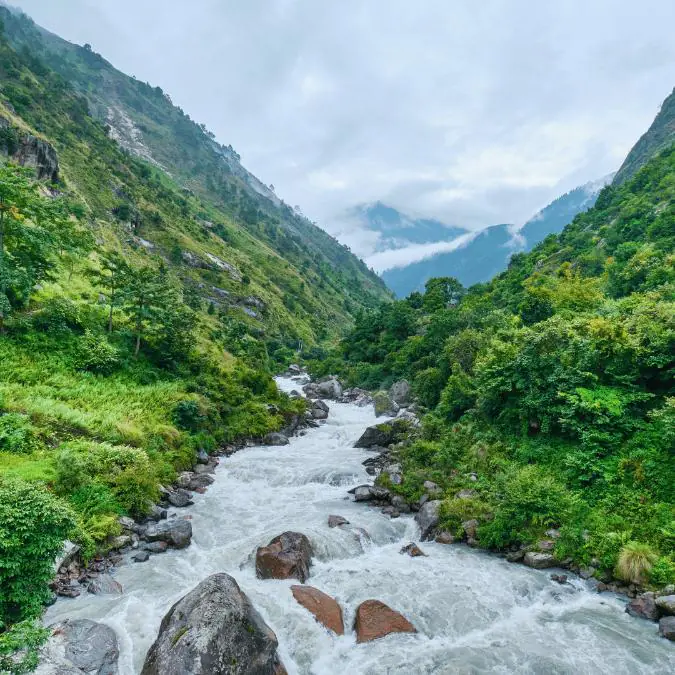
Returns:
(549,390)
(146,299)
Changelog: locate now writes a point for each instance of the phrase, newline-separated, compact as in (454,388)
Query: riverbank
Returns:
(473,612)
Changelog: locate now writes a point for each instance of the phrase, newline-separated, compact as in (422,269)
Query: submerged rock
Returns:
(214,629)
(78,646)
(325,609)
(374,620)
(287,556)
(336,521)
(413,550)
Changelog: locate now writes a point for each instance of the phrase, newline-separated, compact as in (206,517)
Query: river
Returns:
(475,612)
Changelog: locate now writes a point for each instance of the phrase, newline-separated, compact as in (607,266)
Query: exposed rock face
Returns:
(287,556)
(400,392)
(666,604)
(384,405)
(643,606)
(276,439)
(427,518)
(539,561)
(413,550)
(213,629)
(667,627)
(32,152)
(176,532)
(79,646)
(324,608)
(374,620)
(336,521)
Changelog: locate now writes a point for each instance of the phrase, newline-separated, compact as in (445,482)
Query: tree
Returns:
(442,292)
(33,527)
(109,277)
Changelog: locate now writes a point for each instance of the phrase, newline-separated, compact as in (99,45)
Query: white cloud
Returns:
(472,113)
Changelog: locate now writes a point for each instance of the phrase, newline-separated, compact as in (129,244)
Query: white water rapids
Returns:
(475,613)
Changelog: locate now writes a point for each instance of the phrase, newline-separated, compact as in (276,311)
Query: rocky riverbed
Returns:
(442,609)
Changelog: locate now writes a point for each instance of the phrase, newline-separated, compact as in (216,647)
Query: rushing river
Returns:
(475,613)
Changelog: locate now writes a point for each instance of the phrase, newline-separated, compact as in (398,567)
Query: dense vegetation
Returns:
(141,318)
(553,384)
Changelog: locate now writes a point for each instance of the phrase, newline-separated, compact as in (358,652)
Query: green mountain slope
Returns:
(659,136)
(549,390)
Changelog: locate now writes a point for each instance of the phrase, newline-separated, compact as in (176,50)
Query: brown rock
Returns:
(287,556)
(643,606)
(413,550)
(374,620)
(324,608)
(444,537)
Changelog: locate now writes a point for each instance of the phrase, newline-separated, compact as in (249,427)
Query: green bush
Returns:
(662,572)
(19,646)
(17,435)
(96,354)
(58,315)
(33,527)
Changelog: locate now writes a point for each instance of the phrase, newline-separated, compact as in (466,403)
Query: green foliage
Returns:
(33,526)
(96,354)
(17,434)
(19,646)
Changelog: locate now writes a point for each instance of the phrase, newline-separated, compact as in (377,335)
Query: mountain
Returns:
(659,136)
(561,211)
(292,261)
(398,230)
(488,253)
(480,259)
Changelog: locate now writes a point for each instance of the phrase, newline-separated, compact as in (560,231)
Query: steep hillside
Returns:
(659,136)
(549,390)
(142,119)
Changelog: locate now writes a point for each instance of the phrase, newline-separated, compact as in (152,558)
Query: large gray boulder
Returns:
(427,518)
(176,532)
(377,435)
(666,604)
(214,629)
(79,646)
(400,392)
(329,388)
(383,404)
(276,438)
(539,561)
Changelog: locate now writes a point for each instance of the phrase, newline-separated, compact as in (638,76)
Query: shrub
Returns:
(635,562)
(17,435)
(96,354)
(188,414)
(662,572)
(33,527)
(58,315)
(19,647)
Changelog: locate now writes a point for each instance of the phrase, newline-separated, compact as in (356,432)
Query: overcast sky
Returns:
(472,112)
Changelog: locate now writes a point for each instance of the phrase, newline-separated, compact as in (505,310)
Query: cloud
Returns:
(401,257)
(472,113)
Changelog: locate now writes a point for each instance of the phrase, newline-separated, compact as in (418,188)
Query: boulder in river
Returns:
(79,646)
(413,550)
(667,627)
(287,556)
(539,561)
(427,518)
(104,584)
(374,620)
(213,629)
(179,498)
(384,405)
(329,388)
(377,435)
(176,532)
(325,609)
(336,521)
(275,438)
(666,604)
(643,606)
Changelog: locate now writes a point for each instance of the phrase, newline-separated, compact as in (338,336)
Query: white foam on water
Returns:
(475,613)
